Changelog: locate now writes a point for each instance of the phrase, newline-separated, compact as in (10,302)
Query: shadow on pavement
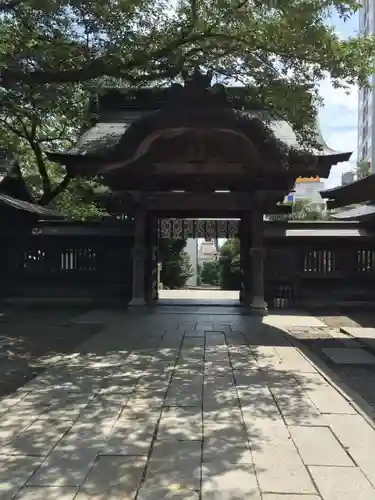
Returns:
(164,406)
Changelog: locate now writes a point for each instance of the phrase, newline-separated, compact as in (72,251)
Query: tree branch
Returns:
(48,197)
(100,67)
(46,183)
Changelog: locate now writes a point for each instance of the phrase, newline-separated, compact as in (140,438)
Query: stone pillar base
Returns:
(258,307)
(137,302)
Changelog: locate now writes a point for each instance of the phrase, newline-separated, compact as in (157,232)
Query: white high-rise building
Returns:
(366,104)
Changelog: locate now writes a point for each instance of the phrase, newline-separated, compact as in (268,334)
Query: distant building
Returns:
(366,99)
(207,252)
(307,188)
(347,178)
(191,249)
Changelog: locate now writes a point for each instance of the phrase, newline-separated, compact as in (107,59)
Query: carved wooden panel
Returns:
(200,146)
(178,229)
(207,229)
(200,229)
(232,228)
(189,229)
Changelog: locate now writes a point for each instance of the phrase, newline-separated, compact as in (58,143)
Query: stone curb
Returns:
(367,345)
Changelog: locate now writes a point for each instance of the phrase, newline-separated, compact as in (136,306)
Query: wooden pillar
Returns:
(257,253)
(151,273)
(139,256)
(245,245)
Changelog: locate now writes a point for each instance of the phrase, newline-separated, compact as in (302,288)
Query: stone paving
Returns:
(353,350)
(185,406)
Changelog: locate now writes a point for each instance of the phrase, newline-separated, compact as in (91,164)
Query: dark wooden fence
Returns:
(68,261)
(306,263)
(319,264)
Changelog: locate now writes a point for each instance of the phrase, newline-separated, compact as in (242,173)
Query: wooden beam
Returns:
(199,201)
(211,201)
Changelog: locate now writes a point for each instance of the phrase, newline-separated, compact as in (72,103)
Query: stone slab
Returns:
(46,493)
(180,423)
(266,356)
(229,481)
(173,492)
(292,360)
(182,474)
(10,401)
(68,405)
(358,437)
(169,451)
(193,342)
(364,335)
(278,464)
(342,483)
(174,466)
(349,356)
(112,478)
(232,449)
(146,397)
(131,436)
(290,320)
(359,332)
(184,395)
(64,469)
(257,402)
(14,472)
(14,423)
(222,420)
(325,397)
(276,496)
(318,446)
(38,439)
(295,406)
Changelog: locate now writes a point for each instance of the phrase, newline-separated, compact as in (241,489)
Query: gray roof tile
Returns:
(100,139)
(28,207)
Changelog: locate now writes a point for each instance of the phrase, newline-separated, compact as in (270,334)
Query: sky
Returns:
(338,117)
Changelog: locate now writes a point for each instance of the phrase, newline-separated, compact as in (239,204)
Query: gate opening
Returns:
(199,262)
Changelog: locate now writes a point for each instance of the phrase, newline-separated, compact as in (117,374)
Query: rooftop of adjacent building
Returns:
(302,180)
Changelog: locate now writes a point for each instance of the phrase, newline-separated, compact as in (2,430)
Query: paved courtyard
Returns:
(185,404)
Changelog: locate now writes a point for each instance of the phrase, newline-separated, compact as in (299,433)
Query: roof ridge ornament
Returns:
(197,80)
(197,92)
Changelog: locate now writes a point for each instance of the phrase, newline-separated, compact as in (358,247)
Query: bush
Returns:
(210,273)
(175,263)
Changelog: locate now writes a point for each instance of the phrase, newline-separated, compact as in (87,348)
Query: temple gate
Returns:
(194,151)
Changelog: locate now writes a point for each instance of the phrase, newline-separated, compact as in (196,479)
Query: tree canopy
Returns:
(210,273)
(230,265)
(363,169)
(53,53)
(176,268)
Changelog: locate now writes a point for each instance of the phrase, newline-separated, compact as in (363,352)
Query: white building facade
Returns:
(207,252)
(347,178)
(199,253)
(366,97)
(191,249)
